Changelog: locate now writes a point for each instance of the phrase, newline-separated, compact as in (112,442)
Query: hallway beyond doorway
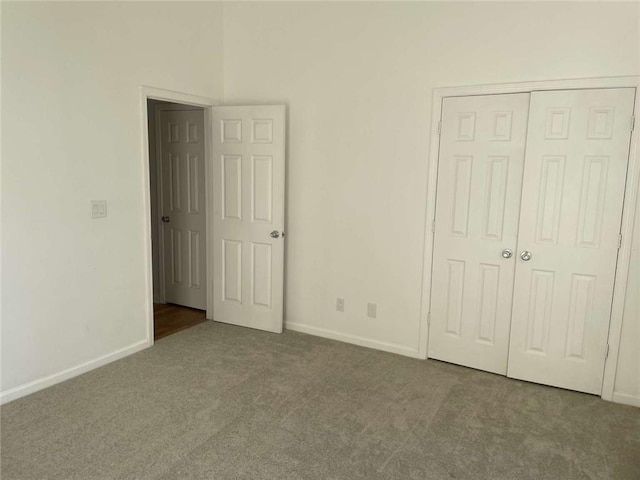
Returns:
(169,319)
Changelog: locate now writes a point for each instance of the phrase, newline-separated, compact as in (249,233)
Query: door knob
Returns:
(166,219)
(275,234)
(525,255)
(507,253)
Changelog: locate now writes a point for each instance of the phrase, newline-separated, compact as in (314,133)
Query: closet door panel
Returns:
(572,194)
(479,186)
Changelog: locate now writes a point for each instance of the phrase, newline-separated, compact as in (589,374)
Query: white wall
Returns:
(74,289)
(153,194)
(358,79)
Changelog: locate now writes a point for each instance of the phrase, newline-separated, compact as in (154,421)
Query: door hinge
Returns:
(619,241)
(428,319)
(433,226)
(439,127)
(606,351)
(633,122)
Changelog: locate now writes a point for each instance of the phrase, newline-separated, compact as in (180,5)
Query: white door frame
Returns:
(628,212)
(151,93)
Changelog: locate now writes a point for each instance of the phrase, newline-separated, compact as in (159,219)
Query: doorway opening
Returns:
(177,186)
(232,232)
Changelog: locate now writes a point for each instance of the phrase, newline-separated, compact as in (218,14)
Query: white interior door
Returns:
(249,183)
(573,188)
(183,207)
(478,202)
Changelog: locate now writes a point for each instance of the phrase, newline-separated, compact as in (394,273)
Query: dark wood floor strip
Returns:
(169,319)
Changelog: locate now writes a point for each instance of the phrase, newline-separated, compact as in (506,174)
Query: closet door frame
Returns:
(628,210)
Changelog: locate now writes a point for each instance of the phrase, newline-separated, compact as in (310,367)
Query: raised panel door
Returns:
(573,189)
(249,173)
(479,185)
(183,200)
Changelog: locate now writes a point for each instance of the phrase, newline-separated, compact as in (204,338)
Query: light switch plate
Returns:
(372,310)
(98,208)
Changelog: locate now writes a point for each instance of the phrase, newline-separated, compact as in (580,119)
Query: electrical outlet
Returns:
(340,304)
(98,208)
(371,310)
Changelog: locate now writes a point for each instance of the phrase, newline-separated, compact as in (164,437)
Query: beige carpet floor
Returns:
(219,402)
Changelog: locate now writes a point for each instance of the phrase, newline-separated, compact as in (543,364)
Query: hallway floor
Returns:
(169,319)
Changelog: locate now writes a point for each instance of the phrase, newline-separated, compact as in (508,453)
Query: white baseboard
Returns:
(355,340)
(32,387)
(626,399)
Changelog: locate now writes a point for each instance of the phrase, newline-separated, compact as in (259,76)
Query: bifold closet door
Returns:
(572,194)
(478,202)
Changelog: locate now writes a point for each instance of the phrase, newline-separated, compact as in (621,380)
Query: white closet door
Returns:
(573,188)
(183,207)
(478,201)
(249,174)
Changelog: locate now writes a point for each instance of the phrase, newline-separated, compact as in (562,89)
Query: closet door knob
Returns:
(525,255)
(507,253)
